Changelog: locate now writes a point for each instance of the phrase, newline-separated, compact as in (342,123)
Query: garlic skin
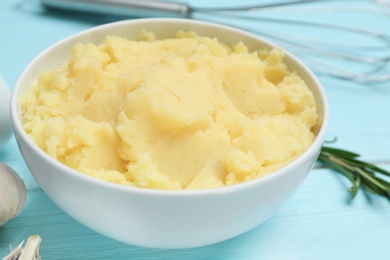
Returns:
(29,252)
(12,194)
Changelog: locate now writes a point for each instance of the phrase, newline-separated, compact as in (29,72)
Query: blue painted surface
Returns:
(319,222)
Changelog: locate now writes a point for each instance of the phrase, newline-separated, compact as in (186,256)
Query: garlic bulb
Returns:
(5,121)
(12,194)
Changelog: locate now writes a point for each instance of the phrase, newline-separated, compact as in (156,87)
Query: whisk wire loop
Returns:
(342,48)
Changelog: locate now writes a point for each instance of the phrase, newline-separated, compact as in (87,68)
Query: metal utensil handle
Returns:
(133,8)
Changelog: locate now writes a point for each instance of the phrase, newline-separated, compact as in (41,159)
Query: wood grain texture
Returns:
(319,222)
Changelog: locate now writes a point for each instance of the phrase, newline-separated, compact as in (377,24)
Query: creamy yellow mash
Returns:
(183,113)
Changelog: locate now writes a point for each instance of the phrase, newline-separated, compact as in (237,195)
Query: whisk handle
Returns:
(131,8)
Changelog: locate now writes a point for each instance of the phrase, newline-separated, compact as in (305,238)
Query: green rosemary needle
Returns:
(361,174)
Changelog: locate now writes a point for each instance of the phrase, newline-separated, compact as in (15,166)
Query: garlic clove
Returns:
(12,194)
(29,252)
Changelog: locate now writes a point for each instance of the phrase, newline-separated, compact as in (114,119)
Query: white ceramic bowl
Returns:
(153,218)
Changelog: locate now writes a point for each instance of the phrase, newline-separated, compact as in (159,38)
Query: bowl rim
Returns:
(64,169)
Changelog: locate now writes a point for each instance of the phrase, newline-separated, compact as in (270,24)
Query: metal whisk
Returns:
(308,28)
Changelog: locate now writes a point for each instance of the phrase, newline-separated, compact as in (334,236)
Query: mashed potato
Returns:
(183,113)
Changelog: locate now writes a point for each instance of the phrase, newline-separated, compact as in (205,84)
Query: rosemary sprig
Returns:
(361,174)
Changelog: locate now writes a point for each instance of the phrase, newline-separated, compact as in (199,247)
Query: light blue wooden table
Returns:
(319,222)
